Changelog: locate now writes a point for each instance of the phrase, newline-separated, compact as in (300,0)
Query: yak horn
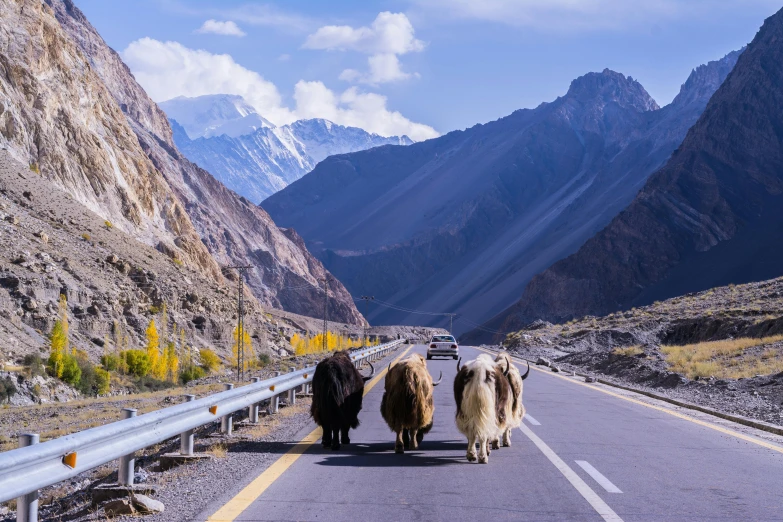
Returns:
(389,369)
(527,372)
(508,368)
(372,372)
(440,379)
(459,361)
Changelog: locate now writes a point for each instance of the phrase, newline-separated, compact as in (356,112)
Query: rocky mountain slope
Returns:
(462,222)
(72,110)
(50,244)
(712,216)
(223,134)
(732,335)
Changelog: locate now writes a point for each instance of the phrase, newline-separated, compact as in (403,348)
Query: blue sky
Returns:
(420,67)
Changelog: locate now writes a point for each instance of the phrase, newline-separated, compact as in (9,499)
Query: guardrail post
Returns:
(127,462)
(227,421)
(252,412)
(186,438)
(292,391)
(27,505)
(274,401)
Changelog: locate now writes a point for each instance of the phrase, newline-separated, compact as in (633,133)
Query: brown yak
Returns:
(517,409)
(407,405)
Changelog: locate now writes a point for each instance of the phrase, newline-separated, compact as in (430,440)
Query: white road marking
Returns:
(531,420)
(601,507)
(598,477)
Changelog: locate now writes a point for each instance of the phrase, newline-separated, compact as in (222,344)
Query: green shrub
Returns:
(72,374)
(7,389)
(110,362)
(138,363)
(35,365)
(191,374)
(148,384)
(209,360)
(264,359)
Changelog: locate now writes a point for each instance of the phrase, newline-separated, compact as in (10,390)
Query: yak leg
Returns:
(335,438)
(406,438)
(345,438)
(327,438)
(414,438)
(399,445)
(483,455)
(507,438)
(471,449)
(495,443)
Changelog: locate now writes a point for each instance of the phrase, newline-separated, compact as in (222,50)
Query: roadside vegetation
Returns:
(727,359)
(629,351)
(334,342)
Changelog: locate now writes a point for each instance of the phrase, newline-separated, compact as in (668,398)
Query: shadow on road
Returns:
(381,455)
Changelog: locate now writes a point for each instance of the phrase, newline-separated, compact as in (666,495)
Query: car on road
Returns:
(443,346)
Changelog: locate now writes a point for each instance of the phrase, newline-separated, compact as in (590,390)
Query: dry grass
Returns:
(219,450)
(628,351)
(724,359)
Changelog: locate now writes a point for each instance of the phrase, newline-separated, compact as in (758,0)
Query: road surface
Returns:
(581,454)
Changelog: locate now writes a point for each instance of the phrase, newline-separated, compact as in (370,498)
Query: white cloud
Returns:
(384,68)
(227,28)
(353,108)
(579,15)
(169,69)
(388,37)
(389,33)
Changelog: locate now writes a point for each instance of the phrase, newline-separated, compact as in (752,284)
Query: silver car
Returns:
(443,346)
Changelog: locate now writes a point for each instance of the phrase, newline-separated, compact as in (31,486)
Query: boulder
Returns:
(30,305)
(119,507)
(543,362)
(146,505)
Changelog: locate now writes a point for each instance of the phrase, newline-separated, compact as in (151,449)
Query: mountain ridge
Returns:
(257,161)
(533,186)
(703,220)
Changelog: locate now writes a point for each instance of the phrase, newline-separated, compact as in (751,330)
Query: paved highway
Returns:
(582,454)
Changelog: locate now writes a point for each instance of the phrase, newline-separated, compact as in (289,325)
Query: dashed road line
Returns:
(598,477)
(234,507)
(601,507)
(531,420)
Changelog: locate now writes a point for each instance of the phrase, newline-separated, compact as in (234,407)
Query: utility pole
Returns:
(366,299)
(240,321)
(326,308)
(451,322)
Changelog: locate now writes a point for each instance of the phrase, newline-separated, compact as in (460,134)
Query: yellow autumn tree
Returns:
(247,350)
(171,361)
(156,362)
(59,339)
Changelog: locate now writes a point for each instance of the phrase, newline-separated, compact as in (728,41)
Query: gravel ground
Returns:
(187,490)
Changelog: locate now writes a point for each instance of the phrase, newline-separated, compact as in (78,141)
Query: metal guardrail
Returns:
(25,470)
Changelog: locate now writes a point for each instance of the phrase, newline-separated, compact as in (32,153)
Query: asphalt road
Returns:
(584,455)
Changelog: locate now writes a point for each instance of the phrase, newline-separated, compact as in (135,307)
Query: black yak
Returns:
(338,388)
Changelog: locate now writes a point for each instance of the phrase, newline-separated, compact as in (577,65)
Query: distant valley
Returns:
(461,223)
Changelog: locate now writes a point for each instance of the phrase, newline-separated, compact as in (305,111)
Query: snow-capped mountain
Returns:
(224,135)
(214,115)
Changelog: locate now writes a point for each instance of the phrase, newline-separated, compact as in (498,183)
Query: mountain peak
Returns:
(610,86)
(705,79)
(214,115)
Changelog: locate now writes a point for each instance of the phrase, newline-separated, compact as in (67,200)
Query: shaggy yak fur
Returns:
(483,397)
(338,388)
(517,409)
(407,405)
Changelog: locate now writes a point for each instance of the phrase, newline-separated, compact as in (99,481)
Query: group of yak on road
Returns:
(488,394)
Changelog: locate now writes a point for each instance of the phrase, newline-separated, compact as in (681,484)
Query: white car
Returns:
(443,346)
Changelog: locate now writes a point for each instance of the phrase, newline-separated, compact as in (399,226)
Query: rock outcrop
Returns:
(712,216)
(71,109)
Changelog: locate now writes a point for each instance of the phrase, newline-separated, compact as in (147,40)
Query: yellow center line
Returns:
(234,507)
(742,436)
